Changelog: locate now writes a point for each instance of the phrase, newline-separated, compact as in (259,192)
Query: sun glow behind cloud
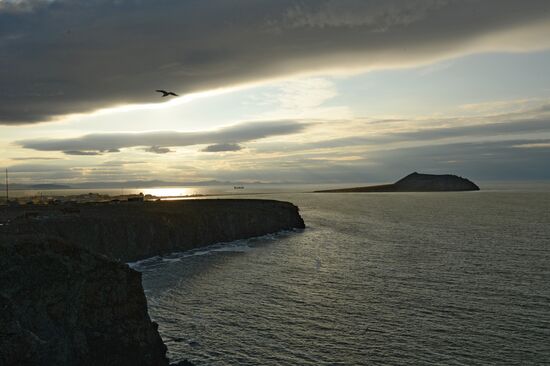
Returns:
(367,84)
(168,104)
(330,148)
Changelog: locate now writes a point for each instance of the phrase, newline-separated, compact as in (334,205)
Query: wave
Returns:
(239,246)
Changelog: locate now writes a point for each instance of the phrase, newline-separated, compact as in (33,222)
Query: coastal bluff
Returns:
(66,295)
(417,182)
(63,305)
(131,231)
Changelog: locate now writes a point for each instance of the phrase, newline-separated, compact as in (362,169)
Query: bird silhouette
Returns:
(166,93)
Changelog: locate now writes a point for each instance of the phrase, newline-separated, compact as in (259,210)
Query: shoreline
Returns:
(71,262)
(215,247)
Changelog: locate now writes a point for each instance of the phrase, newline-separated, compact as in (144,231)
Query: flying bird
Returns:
(166,93)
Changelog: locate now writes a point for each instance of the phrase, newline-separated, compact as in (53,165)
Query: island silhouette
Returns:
(417,182)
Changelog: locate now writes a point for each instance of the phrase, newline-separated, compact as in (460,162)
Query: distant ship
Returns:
(238,187)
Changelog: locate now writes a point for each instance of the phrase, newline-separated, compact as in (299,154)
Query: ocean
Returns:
(375,279)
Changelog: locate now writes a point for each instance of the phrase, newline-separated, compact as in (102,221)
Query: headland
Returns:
(417,182)
(67,296)
(130,231)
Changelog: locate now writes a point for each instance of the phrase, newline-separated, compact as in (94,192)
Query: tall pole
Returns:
(7,187)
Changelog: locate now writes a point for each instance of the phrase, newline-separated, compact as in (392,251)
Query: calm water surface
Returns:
(375,279)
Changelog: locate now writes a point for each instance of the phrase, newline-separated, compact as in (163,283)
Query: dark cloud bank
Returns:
(64,56)
(223,139)
(222,147)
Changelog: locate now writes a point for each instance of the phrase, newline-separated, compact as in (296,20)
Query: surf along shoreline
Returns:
(72,257)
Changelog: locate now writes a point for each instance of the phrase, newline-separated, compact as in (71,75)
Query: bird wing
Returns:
(162,91)
(172,93)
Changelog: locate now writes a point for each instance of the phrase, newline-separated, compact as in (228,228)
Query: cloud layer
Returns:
(507,146)
(222,147)
(61,57)
(223,139)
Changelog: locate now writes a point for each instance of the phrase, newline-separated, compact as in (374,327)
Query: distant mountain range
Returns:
(15,187)
(127,185)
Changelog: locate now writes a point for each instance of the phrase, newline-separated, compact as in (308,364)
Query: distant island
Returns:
(417,182)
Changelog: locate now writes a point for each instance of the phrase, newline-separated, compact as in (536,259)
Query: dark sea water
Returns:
(375,279)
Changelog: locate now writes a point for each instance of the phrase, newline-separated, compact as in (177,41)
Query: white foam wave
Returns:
(238,246)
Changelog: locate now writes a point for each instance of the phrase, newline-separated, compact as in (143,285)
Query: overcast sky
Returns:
(324,91)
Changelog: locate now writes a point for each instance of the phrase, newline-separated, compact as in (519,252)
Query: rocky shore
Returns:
(68,298)
(63,305)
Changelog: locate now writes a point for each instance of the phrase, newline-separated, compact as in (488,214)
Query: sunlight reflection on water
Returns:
(374,279)
(170,192)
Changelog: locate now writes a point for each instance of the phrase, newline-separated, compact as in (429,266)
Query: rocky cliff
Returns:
(138,230)
(417,182)
(65,297)
(63,305)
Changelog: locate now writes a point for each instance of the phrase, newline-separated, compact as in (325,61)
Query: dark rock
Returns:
(417,182)
(62,305)
(129,231)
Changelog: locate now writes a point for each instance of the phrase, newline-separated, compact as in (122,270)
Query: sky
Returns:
(303,91)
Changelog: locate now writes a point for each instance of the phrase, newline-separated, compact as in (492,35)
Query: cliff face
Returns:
(62,305)
(138,230)
(65,304)
(417,182)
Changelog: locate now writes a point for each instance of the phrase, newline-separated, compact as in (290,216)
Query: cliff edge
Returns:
(130,231)
(65,297)
(417,182)
(62,305)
